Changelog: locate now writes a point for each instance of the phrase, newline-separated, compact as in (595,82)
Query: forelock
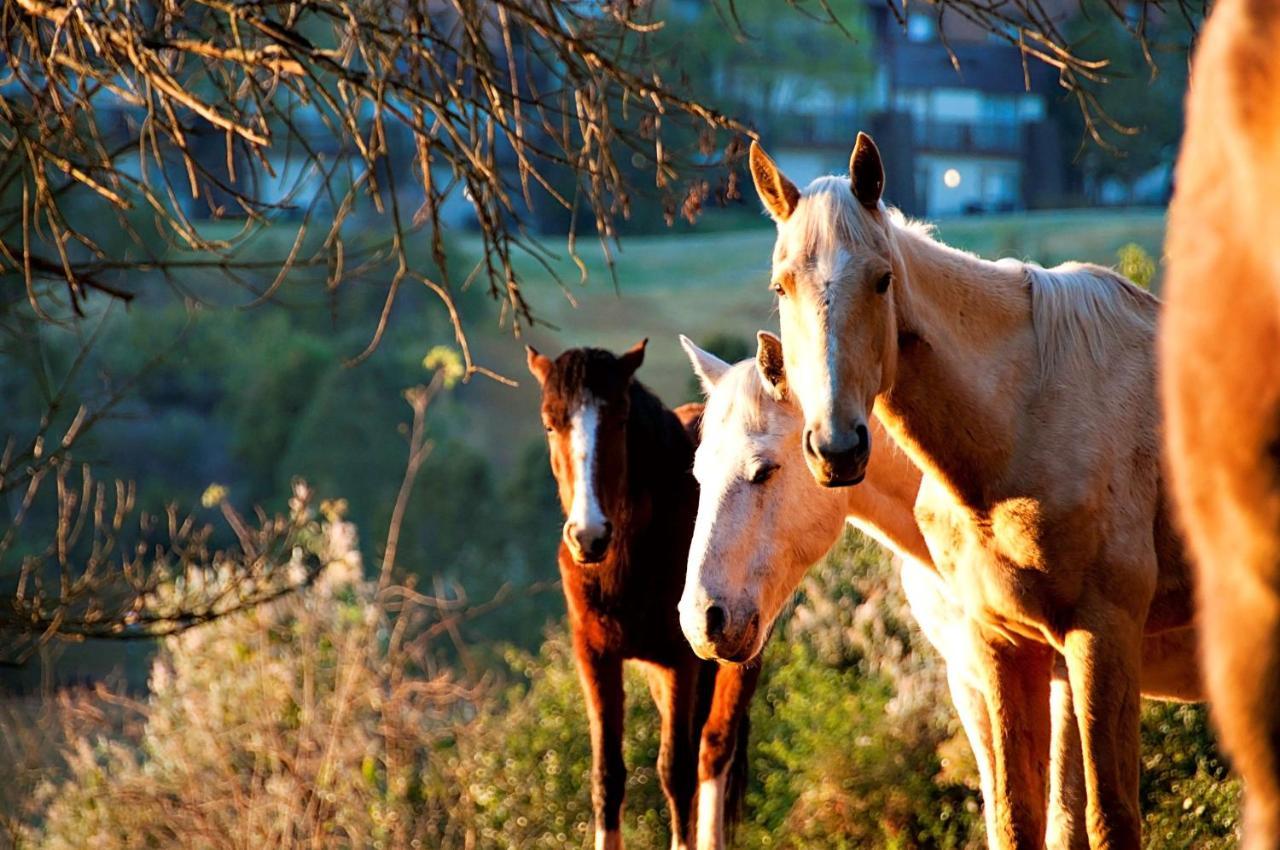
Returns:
(829,215)
(741,398)
(582,373)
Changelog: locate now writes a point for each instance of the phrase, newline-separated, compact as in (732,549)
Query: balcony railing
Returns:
(961,137)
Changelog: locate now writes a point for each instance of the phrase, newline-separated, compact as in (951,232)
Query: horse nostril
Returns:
(864,439)
(808,443)
(588,544)
(607,534)
(715,622)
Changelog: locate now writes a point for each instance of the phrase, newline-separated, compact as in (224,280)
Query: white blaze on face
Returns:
(704,580)
(585,514)
(724,547)
(826,270)
(832,295)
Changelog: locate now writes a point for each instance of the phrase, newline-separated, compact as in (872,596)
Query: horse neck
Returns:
(882,505)
(966,362)
(659,483)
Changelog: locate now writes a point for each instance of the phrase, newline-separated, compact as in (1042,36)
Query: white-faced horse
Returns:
(763,520)
(1027,398)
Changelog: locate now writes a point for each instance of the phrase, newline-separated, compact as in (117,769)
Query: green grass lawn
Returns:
(716,283)
(1054,237)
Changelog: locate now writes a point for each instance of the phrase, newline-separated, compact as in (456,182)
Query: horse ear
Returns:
(769,362)
(709,368)
(779,194)
(634,356)
(866,172)
(539,364)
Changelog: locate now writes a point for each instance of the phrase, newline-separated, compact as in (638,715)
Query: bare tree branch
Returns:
(158,143)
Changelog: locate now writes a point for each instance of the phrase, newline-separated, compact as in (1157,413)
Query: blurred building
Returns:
(963,124)
(962,120)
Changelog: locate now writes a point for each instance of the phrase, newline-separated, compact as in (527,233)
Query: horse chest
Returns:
(614,613)
(995,565)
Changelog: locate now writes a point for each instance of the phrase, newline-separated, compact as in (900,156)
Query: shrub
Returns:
(845,668)
(305,723)
(323,721)
(854,740)
(524,765)
(1135,263)
(1189,797)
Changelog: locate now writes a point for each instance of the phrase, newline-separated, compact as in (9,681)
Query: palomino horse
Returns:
(1221,385)
(622,463)
(762,520)
(1027,398)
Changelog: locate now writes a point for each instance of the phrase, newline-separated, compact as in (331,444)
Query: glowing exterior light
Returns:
(951,178)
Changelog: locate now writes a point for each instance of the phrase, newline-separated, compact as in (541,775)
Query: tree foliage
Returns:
(1147,79)
(213,153)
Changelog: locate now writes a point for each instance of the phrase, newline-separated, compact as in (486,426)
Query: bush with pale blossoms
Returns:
(322,721)
(307,722)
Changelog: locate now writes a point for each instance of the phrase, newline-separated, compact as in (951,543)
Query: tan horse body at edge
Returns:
(1220,339)
(762,521)
(1027,398)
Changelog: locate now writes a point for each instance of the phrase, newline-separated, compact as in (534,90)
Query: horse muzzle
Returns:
(837,462)
(717,634)
(588,544)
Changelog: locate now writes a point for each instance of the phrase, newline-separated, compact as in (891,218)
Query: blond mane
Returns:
(1078,309)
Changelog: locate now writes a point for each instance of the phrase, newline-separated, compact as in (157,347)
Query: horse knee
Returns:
(676,768)
(716,753)
(667,769)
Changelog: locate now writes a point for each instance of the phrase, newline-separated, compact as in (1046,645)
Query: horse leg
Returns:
(1016,687)
(1104,663)
(720,750)
(971,705)
(601,676)
(952,634)
(1242,651)
(1067,829)
(675,691)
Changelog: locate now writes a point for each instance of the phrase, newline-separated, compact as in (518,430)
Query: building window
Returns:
(921,27)
(1032,108)
(1000,109)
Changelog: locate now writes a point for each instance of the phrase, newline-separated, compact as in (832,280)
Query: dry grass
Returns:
(308,722)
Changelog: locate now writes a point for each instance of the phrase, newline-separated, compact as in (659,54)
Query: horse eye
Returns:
(882,285)
(763,473)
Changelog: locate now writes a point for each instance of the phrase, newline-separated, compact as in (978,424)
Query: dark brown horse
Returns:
(623,463)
